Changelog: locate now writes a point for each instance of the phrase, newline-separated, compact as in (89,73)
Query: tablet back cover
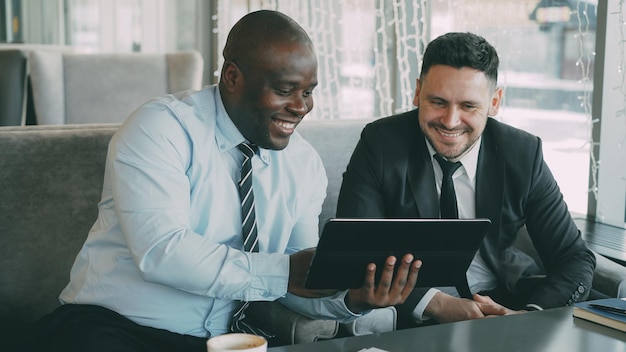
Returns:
(445,246)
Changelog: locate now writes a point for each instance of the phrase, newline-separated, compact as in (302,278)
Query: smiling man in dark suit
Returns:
(395,173)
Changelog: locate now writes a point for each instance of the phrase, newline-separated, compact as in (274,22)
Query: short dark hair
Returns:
(459,50)
(257,30)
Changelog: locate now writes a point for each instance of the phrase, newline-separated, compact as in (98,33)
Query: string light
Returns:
(584,64)
(381,60)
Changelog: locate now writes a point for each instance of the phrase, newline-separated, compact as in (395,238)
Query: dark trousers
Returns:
(89,328)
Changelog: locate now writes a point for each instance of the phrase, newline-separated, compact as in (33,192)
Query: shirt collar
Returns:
(469,161)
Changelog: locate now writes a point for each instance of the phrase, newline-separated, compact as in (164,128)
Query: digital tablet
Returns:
(445,246)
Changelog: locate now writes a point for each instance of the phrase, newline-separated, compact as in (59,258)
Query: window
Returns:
(370,52)
(370,55)
(102,25)
(546,56)
(609,174)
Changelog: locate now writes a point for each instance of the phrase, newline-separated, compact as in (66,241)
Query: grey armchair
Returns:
(70,88)
(609,277)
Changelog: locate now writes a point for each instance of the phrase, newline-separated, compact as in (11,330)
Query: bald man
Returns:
(165,266)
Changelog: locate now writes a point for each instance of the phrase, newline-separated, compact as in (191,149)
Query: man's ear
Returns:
(231,75)
(496,100)
(416,98)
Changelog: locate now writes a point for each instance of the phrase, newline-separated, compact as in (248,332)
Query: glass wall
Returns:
(370,54)
(101,25)
(547,61)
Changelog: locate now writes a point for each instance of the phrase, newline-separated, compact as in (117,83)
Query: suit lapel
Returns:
(420,176)
(489,181)
(490,185)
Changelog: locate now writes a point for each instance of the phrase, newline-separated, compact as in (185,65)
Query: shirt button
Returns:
(581,289)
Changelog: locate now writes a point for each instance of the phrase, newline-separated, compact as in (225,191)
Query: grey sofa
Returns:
(51,179)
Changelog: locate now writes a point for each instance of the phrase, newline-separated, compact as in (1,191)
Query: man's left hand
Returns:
(489,302)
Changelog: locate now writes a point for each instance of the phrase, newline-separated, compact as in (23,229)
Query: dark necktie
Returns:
(249,231)
(447,201)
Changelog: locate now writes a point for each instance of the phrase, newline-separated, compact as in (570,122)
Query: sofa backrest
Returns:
(334,140)
(51,183)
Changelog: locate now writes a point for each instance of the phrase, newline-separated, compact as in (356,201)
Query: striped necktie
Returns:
(248,216)
(249,229)
(447,201)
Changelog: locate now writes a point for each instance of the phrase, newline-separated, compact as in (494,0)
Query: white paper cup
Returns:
(236,342)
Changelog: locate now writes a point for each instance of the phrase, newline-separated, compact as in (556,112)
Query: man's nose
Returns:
(298,105)
(452,117)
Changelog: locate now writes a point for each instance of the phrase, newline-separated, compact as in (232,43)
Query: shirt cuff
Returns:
(344,296)
(418,312)
(532,306)
(269,276)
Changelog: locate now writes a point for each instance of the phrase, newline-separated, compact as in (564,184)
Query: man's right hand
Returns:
(299,263)
(445,308)
(392,288)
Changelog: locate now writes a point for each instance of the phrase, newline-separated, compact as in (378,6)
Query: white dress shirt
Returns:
(479,277)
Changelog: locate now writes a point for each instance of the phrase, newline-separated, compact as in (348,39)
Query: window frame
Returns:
(607,175)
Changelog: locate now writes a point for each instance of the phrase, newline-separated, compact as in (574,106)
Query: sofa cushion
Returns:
(288,326)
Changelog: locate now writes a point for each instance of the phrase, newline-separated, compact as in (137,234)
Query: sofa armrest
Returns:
(288,326)
(609,277)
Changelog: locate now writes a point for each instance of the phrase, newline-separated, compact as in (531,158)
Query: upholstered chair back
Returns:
(73,88)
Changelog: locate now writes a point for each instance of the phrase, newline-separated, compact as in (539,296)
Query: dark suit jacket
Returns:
(390,175)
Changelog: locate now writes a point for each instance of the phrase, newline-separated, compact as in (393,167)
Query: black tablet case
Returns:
(445,246)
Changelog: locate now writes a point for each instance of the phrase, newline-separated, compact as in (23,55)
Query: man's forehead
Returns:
(459,74)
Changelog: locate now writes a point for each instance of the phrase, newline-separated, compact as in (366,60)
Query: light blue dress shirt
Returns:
(166,248)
